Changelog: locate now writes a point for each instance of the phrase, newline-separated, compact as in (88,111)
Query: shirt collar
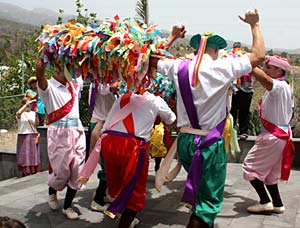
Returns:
(57,83)
(205,57)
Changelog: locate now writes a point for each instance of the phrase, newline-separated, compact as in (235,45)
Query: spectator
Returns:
(241,100)
(37,106)
(28,153)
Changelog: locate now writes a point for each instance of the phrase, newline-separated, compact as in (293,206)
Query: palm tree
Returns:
(141,9)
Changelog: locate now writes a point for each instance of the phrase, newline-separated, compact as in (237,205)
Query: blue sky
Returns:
(279,19)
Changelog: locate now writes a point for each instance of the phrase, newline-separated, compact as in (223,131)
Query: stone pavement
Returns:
(26,199)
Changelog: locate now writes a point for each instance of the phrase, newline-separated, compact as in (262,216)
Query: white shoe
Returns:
(261,208)
(97,207)
(53,202)
(108,199)
(70,213)
(134,223)
(279,210)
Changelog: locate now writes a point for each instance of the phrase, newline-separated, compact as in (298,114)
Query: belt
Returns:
(193,131)
(67,123)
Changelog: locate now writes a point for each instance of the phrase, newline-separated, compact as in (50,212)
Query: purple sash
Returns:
(195,170)
(120,203)
(186,93)
(93,96)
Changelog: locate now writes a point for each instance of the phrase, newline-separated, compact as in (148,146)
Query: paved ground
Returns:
(26,199)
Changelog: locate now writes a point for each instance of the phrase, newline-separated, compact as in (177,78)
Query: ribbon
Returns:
(201,50)
(64,110)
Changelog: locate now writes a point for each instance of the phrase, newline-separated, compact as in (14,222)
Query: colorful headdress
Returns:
(114,50)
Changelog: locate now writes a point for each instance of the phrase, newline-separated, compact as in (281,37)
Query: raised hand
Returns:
(40,68)
(251,17)
(178,31)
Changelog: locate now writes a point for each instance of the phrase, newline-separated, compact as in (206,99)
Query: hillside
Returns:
(13,37)
(36,17)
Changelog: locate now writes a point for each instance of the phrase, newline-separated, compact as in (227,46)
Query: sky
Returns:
(279,19)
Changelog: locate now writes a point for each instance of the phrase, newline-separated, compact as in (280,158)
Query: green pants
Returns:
(101,173)
(211,187)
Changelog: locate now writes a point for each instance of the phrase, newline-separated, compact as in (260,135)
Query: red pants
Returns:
(121,157)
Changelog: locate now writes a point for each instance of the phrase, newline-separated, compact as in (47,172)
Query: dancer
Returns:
(201,112)
(269,160)
(101,101)
(123,143)
(66,137)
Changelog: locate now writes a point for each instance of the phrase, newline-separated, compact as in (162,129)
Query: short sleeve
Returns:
(165,113)
(168,67)
(278,87)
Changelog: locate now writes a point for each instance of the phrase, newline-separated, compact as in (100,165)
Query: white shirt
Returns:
(143,115)
(210,97)
(57,95)
(23,124)
(103,102)
(277,104)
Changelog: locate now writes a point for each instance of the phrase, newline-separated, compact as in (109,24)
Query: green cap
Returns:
(214,41)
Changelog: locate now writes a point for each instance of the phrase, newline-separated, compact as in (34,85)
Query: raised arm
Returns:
(40,74)
(31,96)
(23,108)
(257,54)
(265,80)
(178,31)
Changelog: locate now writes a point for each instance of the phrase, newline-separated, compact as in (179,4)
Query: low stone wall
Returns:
(8,167)
(8,163)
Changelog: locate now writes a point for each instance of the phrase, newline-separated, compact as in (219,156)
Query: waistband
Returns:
(283,127)
(193,131)
(67,122)
(123,134)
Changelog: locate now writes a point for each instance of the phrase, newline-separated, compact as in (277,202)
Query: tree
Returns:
(270,52)
(82,18)
(141,9)
(284,54)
